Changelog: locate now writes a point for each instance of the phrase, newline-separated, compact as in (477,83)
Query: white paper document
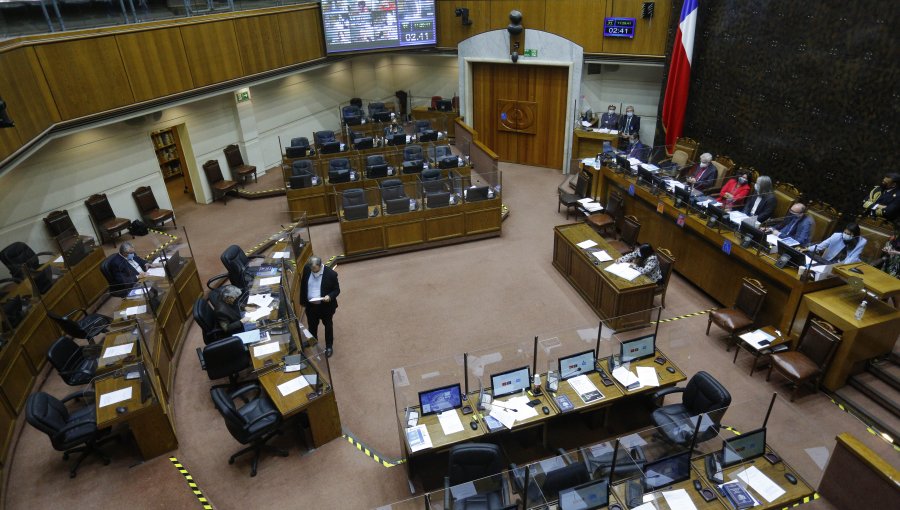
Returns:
(625,377)
(258,314)
(585,200)
(592,206)
(552,464)
(281,254)
(450,423)
(252,336)
(58,260)
(635,162)
(737,217)
(156,271)
(316,299)
(272,280)
(590,243)
(647,376)
(463,491)
(632,440)
(114,397)
(601,449)
(755,338)
(602,256)
(623,270)
(601,130)
(286,388)
(646,506)
(762,484)
(135,310)
(263,350)
(260,300)
(418,438)
(679,500)
(504,416)
(520,404)
(585,388)
(650,167)
(118,350)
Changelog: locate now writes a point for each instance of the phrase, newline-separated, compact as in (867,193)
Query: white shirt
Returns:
(755,205)
(314,285)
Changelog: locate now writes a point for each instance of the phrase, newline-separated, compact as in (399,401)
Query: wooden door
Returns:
(520,111)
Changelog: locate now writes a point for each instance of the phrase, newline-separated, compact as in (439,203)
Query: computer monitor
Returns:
(477,193)
(397,139)
(428,136)
(667,471)
(587,496)
(511,381)
(383,116)
(788,255)
(637,349)
(645,176)
(752,235)
(623,163)
(716,216)
(363,143)
(448,162)
(444,105)
(440,399)
(413,167)
(577,364)
(744,447)
(682,196)
(296,152)
(331,147)
(301,181)
(376,171)
(353,121)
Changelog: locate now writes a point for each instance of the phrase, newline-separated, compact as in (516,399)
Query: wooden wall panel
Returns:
(212,52)
(24,88)
(157,73)
(532,12)
(579,21)
(546,86)
(450,30)
(649,34)
(259,42)
(301,36)
(85,76)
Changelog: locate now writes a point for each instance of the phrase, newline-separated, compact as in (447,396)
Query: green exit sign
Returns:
(530,53)
(242,95)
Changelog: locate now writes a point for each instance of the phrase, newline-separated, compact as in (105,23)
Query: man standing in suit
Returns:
(319,290)
(884,200)
(609,120)
(127,268)
(704,174)
(630,123)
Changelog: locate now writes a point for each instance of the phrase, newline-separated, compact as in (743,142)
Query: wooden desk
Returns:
(110,363)
(875,280)
(875,335)
(152,427)
(660,503)
(439,120)
(700,258)
(609,295)
(587,144)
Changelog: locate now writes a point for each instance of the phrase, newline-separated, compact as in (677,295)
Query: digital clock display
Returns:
(358,25)
(619,27)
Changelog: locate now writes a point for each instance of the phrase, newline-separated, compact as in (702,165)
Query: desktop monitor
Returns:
(444,105)
(623,163)
(363,143)
(440,399)
(477,193)
(383,116)
(397,139)
(448,162)
(645,176)
(353,120)
(667,471)
(682,196)
(577,364)
(296,152)
(637,349)
(511,381)
(658,181)
(413,167)
(301,181)
(376,171)
(428,136)
(592,495)
(331,147)
(788,255)
(752,235)
(744,447)
(716,215)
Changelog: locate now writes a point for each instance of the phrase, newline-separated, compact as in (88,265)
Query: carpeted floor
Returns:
(397,311)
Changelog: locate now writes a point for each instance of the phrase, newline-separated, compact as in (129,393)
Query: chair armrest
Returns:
(91,351)
(209,283)
(202,359)
(89,392)
(256,256)
(241,391)
(263,415)
(446,492)
(666,391)
(71,312)
(780,348)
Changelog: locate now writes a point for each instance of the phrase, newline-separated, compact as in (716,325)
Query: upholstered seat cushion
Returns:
(245,169)
(157,215)
(675,421)
(568,199)
(251,414)
(113,224)
(795,365)
(225,185)
(600,220)
(730,320)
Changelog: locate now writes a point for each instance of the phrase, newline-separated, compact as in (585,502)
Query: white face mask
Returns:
(742,180)
(630,114)
(704,165)
(756,187)
(847,237)
(612,112)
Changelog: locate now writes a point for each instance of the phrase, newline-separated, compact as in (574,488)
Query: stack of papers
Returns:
(759,482)
(649,167)
(601,130)
(135,310)
(586,244)
(737,217)
(601,255)
(450,422)
(156,271)
(756,338)
(679,500)
(263,350)
(253,336)
(260,300)
(635,162)
(281,254)
(626,377)
(647,376)
(516,408)
(286,388)
(114,397)
(418,438)
(258,314)
(592,206)
(585,388)
(272,280)
(623,270)
(118,350)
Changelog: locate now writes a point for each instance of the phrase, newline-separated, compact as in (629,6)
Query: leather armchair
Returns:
(217,183)
(237,265)
(376,107)
(351,115)
(254,423)
(18,258)
(59,222)
(423,126)
(75,364)
(115,289)
(205,317)
(236,163)
(376,166)
(69,431)
(627,463)
(339,170)
(149,209)
(394,196)
(224,358)
(105,220)
(570,200)
(299,148)
(354,204)
(702,395)
(413,159)
(323,137)
(808,363)
(743,314)
(470,462)
(302,173)
(88,326)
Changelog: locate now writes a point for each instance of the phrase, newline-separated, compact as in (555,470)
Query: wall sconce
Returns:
(464,13)
(5,121)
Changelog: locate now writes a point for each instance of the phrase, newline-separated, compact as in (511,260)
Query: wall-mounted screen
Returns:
(358,25)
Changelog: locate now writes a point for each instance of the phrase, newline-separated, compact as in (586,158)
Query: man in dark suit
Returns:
(636,149)
(127,268)
(630,123)
(609,120)
(226,303)
(797,225)
(704,174)
(319,290)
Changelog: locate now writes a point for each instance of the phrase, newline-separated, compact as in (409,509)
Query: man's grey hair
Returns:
(230,291)
(705,157)
(125,247)
(315,261)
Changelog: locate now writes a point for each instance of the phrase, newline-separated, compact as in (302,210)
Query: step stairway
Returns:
(874,396)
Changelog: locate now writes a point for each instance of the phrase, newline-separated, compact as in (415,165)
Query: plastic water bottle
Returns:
(861,310)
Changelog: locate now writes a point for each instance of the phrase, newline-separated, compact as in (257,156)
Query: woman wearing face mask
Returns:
(125,268)
(735,191)
(762,202)
(842,247)
(644,259)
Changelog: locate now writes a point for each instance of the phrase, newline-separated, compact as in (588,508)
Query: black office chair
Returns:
(75,364)
(205,317)
(351,115)
(566,477)
(473,461)
(237,263)
(19,257)
(627,464)
(376,166)
(376,107)
(115,289)
(301,174)
(299,148)
(87,327)
(432,181)
(435,154)
(15,308)
(413,159)
(702,395)
(423,126)
(323,137)
(354,204)
(339,170)
(254,423)
(394,196)
(224,358)
(69,432)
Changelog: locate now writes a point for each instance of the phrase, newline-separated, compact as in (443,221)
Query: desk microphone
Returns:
(505,407)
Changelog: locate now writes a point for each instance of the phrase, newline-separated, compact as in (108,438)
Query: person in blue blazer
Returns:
(797,225)
(841,247)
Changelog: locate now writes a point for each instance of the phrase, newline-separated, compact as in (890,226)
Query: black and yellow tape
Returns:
(333,260)
(191,483)
(372,454)
(869,427)
(685,316)
(807,499)
(732,430)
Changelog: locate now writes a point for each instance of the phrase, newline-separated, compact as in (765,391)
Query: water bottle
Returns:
(861,310)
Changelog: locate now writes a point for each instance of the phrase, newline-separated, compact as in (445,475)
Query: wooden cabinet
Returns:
(168,153)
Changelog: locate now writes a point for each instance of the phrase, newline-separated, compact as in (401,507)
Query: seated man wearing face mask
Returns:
(704,174)
(226,302)
(797,225)
(609,120)
(842,247)
(127,268)
(636,149)
(630,123)
(735,191)
(884,200)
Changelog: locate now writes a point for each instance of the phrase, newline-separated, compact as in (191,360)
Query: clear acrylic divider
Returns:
(357,204)
(419,502)
(303,173)
(494,491)
(72,247)
(400,197)
(566,353)
(481,186)
(499,381)
(439,188)
(42,270)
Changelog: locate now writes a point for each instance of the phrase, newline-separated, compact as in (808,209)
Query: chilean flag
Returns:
(675,101)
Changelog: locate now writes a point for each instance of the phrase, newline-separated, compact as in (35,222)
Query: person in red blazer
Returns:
(735,191)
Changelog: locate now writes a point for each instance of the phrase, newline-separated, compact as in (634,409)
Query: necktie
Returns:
(628,124)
